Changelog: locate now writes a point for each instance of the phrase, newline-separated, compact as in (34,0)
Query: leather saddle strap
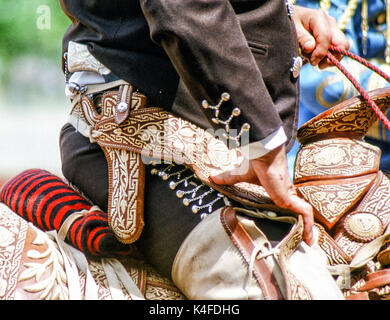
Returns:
(376,280)
(245,245)
(122,108)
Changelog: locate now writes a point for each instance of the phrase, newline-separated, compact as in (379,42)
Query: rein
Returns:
(355,83)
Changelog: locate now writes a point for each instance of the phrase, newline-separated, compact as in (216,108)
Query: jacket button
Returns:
(290,8)
(296,66)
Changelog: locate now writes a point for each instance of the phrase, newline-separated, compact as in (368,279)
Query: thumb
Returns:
(243,173)
(224,178)
(305,39)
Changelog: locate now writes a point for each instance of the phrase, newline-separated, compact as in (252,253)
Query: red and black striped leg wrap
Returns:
(46,201)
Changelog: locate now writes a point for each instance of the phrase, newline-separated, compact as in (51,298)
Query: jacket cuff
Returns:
(262,147)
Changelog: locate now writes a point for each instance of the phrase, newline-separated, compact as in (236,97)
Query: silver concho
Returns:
(296,66)
(122,107)
(363,226)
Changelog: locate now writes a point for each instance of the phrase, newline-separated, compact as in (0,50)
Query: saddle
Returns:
(338,173)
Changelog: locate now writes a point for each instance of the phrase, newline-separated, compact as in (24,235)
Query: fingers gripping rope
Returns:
(355,83)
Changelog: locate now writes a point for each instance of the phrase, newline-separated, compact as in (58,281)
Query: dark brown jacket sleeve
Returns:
(210,52)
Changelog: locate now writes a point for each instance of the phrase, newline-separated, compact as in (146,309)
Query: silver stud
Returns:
(186,202)
(236,112)
(271,214)
(73,87)
(172,185)
(179,194)
(225,96)
(296,67)
(122,107)
(246,127)
(195,209)
(163,175)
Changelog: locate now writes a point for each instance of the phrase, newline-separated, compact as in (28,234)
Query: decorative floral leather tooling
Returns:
(152,133)
(336,171)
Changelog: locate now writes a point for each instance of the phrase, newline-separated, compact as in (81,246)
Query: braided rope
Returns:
(355,83)
(360,60)
(348,14)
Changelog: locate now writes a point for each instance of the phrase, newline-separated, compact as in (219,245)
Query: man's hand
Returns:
(316,31)
(271,172)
